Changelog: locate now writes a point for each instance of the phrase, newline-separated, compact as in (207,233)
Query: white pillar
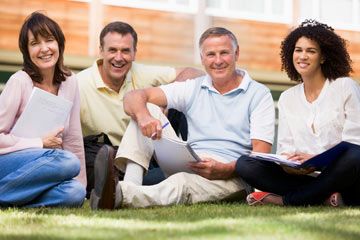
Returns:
(296,12)
(201,23)
(95,26)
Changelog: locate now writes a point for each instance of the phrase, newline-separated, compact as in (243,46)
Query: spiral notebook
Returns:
(173,155)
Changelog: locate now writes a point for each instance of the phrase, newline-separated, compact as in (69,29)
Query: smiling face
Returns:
(307,57)
(219,56)
(117,53)
(43,51)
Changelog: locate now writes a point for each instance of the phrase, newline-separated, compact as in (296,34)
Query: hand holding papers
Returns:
(280,159)
(317,162)
(173,155)
(43,114)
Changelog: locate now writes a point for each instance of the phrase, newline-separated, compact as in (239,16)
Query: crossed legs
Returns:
(40,177)
(342,176)
(179,188)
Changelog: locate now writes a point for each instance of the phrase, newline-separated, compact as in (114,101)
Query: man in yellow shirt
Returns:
(103,85)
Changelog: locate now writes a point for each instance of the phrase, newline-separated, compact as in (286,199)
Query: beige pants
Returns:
(180,188)
(135,146)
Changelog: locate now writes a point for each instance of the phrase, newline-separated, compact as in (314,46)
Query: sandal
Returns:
(257,198)
(335,200)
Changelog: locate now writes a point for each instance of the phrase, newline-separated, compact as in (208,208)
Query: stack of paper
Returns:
(274,158)
(44,113)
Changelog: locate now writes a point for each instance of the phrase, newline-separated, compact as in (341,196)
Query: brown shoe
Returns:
(103,194)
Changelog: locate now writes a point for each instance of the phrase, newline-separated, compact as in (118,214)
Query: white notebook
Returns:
(280,159)
(317,162)
(173,154)
(44,112)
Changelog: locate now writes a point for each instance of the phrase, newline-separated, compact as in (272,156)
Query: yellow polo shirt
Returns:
(101,108)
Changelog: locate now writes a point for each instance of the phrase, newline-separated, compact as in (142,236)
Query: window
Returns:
(263,10)
(186,6)
(342,14)
(254,6)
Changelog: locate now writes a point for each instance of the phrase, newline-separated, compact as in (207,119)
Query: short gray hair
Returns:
(218,31)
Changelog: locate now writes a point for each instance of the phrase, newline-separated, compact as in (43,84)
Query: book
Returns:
(317,162)
(172,155)
(44,112)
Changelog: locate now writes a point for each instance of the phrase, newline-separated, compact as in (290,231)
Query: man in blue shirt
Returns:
(228,115)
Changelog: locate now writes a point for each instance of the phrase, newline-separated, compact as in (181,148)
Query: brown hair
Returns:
(39,24)
(118,27)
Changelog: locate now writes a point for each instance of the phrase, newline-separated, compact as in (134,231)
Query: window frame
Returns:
(170,6)
(267,16)
(316,14)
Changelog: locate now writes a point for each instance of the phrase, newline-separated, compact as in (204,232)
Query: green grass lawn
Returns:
(201,221)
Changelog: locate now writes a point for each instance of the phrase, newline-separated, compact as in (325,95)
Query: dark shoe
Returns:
(103,194)
(335,200)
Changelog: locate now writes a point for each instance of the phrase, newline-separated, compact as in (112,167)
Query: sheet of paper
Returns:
(317,162)
(173,154)
(274,158)
(44,112)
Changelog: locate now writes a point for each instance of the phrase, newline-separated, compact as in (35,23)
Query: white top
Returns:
(315,127)
(223,124)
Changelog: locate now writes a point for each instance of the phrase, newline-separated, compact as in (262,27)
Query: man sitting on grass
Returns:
(228,115)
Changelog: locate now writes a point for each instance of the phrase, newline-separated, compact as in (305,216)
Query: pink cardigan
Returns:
(12,103)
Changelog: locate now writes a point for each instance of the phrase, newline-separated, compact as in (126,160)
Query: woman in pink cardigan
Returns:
(48,170)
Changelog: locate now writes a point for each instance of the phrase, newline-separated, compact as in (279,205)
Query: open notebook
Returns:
(317,162)
(173,154)
(44,112)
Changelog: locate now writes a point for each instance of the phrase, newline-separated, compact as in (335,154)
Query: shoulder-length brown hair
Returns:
(39,24)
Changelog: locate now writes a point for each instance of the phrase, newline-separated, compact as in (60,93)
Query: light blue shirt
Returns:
(223,124)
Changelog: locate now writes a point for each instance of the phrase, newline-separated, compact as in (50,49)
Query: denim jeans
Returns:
(38,177)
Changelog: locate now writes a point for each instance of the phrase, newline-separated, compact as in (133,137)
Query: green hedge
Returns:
(4,76)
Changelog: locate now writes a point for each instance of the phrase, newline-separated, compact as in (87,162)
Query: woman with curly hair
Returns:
(314,116)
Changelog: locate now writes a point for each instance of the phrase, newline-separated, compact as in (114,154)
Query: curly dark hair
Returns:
(337,62)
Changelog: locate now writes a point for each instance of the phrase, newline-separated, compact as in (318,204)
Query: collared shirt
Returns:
(102,108)
(315,127)
(223,124)
(13,100)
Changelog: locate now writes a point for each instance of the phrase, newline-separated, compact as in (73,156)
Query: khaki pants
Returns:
(180,188)
(136,147)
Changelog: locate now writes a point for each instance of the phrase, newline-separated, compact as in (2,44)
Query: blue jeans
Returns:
(38,177)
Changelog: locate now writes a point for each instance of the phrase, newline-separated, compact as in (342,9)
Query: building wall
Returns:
(353,43)
(71,16)
(164,37)
(259,42)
